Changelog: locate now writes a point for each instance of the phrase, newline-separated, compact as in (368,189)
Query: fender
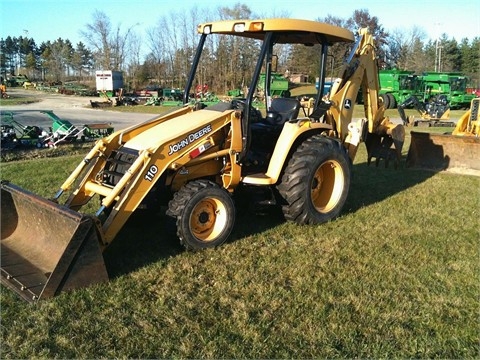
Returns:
(290,133)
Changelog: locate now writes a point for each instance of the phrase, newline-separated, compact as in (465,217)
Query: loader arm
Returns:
(48,247)
(148,152)
(361,71)
(102,150)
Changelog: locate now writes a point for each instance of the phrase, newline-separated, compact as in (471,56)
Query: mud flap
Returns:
(443,151)
(46,248)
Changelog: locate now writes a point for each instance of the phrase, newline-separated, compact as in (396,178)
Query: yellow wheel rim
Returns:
(327,186)
(208,219)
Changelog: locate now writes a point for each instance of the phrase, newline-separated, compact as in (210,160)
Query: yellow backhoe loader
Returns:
(194,159)
(458,151)
(435,112)
(3,91)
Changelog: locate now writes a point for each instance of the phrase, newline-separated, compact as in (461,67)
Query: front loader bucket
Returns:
(444,151)
(46,248)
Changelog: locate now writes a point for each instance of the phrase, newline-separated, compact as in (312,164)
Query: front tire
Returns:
(205,214)
(316,181)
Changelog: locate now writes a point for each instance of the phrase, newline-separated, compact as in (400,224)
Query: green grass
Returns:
(34,153)
(18,100)
(396,276)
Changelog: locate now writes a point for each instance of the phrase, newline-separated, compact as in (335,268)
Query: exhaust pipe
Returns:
(46,248)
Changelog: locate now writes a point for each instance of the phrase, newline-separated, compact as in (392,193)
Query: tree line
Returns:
(171,44)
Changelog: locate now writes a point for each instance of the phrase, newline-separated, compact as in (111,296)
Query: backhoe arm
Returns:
(412,100)
(361,72)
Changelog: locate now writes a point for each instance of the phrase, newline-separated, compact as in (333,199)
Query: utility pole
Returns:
(438,51)
(438,57)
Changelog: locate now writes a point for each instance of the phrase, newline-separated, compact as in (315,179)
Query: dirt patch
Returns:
(50,100)
(76,109)
(463,171)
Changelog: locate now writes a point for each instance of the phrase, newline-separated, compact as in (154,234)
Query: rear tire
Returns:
(392,102)
(205,214)
(386,101)
(316,181)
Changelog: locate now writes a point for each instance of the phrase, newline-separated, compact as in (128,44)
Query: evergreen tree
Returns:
(81,59)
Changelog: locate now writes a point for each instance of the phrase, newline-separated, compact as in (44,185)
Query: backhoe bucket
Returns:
(444,151)
(46,248)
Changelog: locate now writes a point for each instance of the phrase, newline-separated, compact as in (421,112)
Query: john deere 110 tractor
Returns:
(193,160)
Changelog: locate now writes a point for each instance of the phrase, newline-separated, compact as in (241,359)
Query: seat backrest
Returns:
(282,110)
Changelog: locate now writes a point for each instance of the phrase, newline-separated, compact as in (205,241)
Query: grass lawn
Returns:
(18,101)
(395,276)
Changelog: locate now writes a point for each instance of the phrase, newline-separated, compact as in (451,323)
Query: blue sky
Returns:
(45,20)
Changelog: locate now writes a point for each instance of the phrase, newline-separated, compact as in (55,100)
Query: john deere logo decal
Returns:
(189,139)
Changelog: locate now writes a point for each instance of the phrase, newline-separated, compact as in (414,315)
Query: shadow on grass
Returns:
(371,184)
(148,238)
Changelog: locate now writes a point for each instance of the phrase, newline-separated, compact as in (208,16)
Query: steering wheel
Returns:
(255,114)
(239,104)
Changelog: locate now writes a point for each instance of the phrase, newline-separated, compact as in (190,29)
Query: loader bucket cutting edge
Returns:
(444,152)
(46,248)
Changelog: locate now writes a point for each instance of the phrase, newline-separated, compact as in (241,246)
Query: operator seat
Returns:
(265,133)
(282,110)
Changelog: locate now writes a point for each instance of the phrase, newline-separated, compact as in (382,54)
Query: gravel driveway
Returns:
(75,109)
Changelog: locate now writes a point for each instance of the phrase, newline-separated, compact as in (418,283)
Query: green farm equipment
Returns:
(17,80)
(206,99)
(235,93)
(61,130)
(172,97)
(65,131)
(452,85)
(15,134)
(396,86)
(278,87)
(153,101)
(96,131)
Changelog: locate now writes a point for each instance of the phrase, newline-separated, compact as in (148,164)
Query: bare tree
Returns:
(110,46)
(97,35)
(362,18)
(134,51)
(172,43)
(405,48)
(121,44)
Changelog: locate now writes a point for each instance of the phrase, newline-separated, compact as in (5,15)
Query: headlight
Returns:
(240,27)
